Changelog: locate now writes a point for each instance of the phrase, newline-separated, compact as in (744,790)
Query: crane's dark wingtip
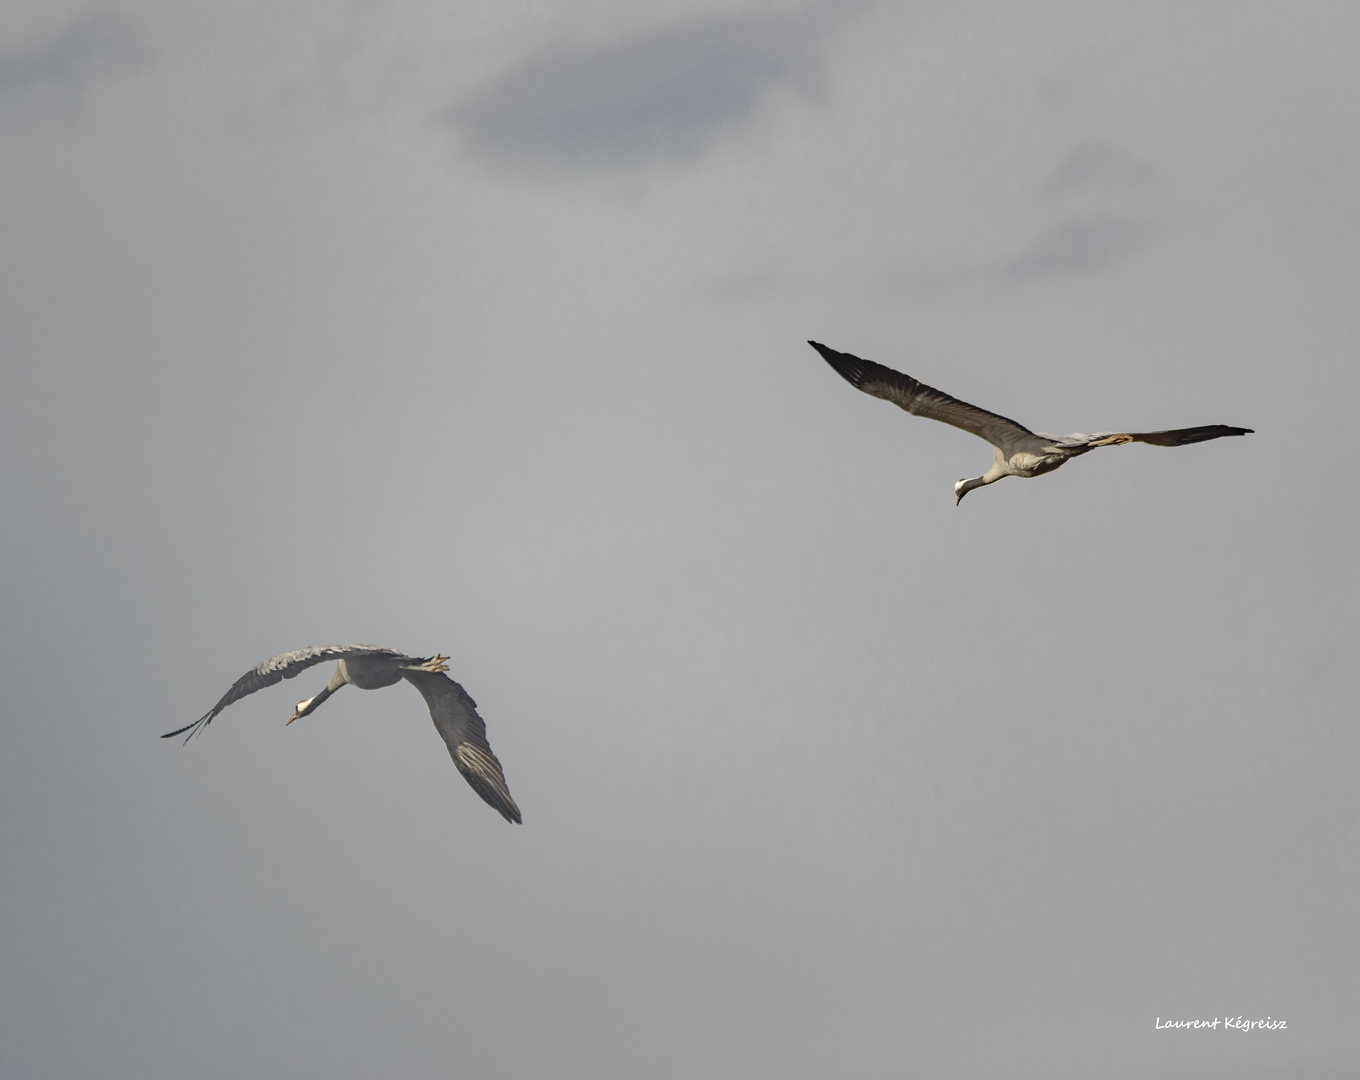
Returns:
(1213,431)
(193,729)
(848,366)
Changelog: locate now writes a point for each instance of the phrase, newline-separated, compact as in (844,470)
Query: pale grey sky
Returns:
(480,328)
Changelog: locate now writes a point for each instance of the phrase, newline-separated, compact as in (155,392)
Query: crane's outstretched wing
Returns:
(275,669)
(1177,437)
(922,400)
(1186,435)
(455,717)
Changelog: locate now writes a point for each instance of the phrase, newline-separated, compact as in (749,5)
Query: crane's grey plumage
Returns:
(371,667)
(1018,451)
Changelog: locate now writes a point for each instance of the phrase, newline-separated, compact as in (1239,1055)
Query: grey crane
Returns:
(1019,451)
(371,667)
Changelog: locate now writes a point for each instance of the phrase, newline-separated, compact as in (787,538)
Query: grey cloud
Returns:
(1095,177)
(52,80)
(660,95)
(1097,165)
(1078,247)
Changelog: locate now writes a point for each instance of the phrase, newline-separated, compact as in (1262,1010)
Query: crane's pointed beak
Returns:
(295,715)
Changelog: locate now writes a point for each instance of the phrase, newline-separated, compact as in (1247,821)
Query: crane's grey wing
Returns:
(275,669)
(455,718)
(922,400)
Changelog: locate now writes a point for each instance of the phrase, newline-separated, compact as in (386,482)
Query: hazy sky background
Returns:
(479,327)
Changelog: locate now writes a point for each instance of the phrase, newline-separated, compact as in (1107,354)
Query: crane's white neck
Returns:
(306,708)
(963,487)
(998,470)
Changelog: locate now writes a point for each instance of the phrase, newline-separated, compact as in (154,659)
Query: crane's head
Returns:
(304,708)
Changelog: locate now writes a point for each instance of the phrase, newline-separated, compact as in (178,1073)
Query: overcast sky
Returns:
(480,327)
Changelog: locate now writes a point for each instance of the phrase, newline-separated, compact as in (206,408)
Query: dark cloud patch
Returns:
(1078,247)
(52,80)
(1097,165)
(659,96)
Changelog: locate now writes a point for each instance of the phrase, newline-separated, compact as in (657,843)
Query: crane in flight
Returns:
(371,667)
(1018,451)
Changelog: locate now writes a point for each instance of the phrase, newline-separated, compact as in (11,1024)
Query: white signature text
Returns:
(1228,1023)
